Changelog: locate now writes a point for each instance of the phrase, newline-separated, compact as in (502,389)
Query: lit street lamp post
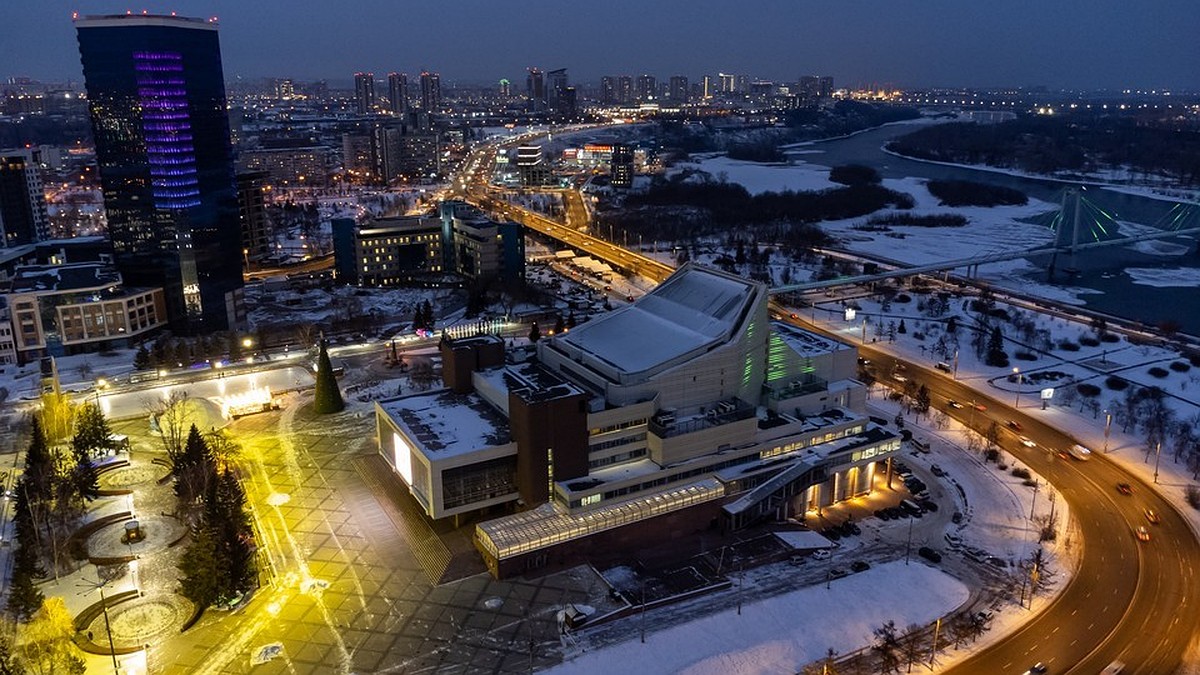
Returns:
(1017,400)
(1107,429)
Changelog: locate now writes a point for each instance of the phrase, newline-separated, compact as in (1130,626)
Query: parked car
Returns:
(798,559)
(929,554)
(953,540)
(837,573)
(929,506)
(937,470)
(957,517)
(854,529)
(860,566)
(882,514)
(821,554)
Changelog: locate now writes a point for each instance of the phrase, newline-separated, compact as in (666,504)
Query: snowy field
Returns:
(783,633)
(757,177)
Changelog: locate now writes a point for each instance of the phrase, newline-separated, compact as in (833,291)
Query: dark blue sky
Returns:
(1057,43)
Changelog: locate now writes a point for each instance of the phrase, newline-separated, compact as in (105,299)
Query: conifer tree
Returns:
(327,398)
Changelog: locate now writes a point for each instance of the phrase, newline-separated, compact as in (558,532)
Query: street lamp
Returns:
(1107,429)
(1017,400)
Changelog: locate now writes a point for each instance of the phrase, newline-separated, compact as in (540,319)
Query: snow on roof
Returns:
(693,308)
(806,343)
(804,539)
(444,423)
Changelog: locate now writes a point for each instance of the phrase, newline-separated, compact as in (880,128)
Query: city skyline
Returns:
(935,44)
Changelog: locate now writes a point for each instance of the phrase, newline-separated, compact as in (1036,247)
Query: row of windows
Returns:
(616,459)
(682,475)
(816,439)
(617,427)
(636,438)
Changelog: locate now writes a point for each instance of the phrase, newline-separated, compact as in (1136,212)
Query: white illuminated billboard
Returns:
(403,458)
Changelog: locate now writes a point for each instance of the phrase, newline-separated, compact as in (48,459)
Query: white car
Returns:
(1025,441)
(821,554)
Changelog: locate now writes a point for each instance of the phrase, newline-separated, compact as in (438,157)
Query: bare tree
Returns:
(912,645)
(173,417)
(887,645)
(420,373)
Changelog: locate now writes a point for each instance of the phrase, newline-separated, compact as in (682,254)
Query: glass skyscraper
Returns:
(156,93)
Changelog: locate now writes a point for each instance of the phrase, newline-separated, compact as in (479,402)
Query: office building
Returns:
(531,169)
(710,87)
(687,410)
(66,309)
(23,218)
(625,90)
(556,86)
(825,87)
(285,90)
(647,88)
(290,167)
(431,92)
(505,89)
(622,166)
(253,190)
(462,243)
(535,89)
(398,93)
(679,89)
(156,93)
(364,93)
(608,90)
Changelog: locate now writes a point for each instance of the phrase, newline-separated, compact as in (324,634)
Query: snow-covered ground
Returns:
(782,633)
(758,178)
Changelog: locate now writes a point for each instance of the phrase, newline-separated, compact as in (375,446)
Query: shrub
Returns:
(1029,482)
(1089,341)
(1193,496)
(970,193)
(1024,355)
(1068,346)
(992,455)
(1158,372)
(1087,389)
(1180,366)
(1194,359)
(1115,383)
(1110,338)
(854,174)
(902,298)
(1020,472)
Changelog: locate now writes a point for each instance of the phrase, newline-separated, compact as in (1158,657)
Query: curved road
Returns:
(1130,601)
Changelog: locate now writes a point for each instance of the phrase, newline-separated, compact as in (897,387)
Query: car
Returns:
(1142,533)
(995,562)
(921,495)
(1125,488)
(1025,441)
(793,315)
(929,554)
(979,406)
(1152,516)
(929,506)
(882,514)
(798,559)
(937,470)
(953,540)
(1038,668)
(821,554)
(954,404)
(899,378)
(896,512)
(1014,425)
(854,529)
(837,573)
(832,534)
(860,566)
(942,366)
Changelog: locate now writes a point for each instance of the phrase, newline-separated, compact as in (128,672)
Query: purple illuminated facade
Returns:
(156,93)
(167,129)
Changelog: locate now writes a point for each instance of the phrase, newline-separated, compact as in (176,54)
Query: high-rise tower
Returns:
(398,93)
(364,93)
(431,91)
(156,93)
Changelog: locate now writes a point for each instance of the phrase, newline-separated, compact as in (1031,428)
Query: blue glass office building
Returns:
(156,93)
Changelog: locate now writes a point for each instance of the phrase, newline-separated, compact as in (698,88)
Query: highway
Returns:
(1130,601)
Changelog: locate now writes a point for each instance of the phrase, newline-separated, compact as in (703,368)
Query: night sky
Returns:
(905,43)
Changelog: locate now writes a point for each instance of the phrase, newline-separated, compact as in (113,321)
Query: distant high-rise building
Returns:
(825,86)
(535,89)
(23,218)
(679,89)
(622,166)
(252,210)
(398,93)
(608,90)
(647,87)
(710,87)
(364,93)
(727,84)
(556,84)
(532,170)
(567,102)
(625,90)
(431,91)
(505,89)
(285,89)
(156,93)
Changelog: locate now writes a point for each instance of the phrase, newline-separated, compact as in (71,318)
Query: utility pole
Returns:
(1034,504)
(1157,453)
(908,546)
